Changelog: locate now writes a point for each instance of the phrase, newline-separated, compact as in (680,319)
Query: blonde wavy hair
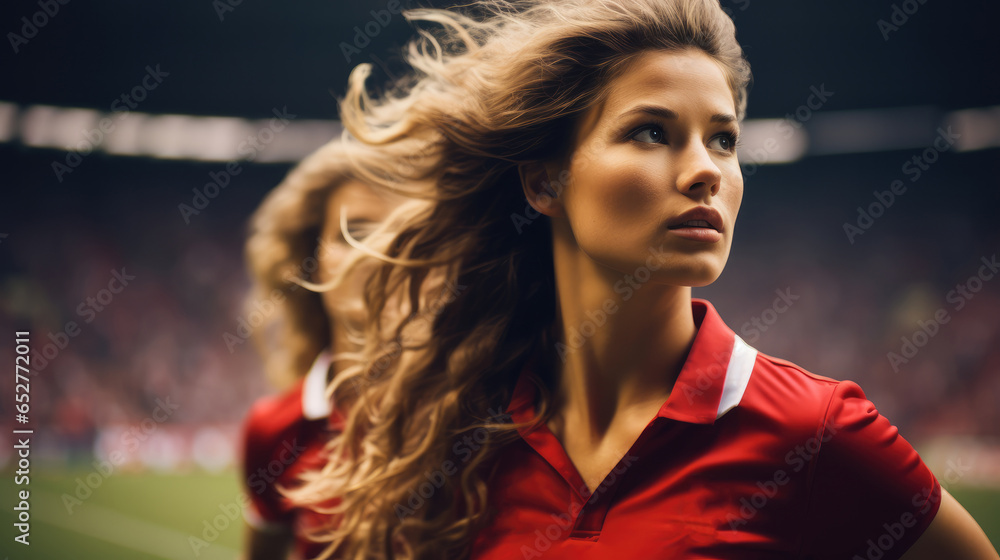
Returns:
(492,90)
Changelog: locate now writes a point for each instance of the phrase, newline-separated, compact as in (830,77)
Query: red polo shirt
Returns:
(749,457)
(283,437)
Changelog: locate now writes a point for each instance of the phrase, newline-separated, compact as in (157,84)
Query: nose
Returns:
(699,175)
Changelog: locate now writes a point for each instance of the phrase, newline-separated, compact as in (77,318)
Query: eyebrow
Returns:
(667,114)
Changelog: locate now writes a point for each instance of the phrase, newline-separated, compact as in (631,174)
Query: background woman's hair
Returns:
(472,269)
(282,245)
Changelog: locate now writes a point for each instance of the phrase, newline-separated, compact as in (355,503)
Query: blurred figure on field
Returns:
(306,331)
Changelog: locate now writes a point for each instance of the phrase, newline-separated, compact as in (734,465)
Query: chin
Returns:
(701,282)
(673,268)
(684,279)
(692,275)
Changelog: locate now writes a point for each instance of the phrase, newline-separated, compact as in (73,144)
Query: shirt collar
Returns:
(710,384)
(315,404)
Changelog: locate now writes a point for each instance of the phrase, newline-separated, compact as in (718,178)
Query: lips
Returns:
(695,223)
(699,217)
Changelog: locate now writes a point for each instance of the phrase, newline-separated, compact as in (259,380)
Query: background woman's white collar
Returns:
(315,405)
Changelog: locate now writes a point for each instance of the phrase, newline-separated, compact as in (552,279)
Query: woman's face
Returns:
(365,209)
(653,170)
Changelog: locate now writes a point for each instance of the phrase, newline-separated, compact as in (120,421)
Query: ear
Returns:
(542,193)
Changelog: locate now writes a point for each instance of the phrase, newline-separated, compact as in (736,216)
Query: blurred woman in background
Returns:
(308,287)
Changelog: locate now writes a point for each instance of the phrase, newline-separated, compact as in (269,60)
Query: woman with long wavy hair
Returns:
(572,400)
(305,314)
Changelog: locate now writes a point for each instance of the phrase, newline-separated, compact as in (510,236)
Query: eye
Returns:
(649,134)
(359,229)
(725,142)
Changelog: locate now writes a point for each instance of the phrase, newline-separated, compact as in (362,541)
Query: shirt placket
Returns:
(588,509)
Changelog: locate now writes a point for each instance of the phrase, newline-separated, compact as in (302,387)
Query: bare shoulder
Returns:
(953,534)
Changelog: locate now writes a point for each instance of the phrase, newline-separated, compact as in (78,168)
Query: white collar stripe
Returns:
(315,405)
(741,364)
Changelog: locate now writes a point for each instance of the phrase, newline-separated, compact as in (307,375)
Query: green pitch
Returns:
(125,516)
(187,516)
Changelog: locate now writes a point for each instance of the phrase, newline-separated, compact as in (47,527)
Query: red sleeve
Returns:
(871,494)
(270,422)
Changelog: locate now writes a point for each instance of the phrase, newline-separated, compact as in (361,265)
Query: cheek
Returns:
(330,257)
(614,189)
(734,194)
(349,294)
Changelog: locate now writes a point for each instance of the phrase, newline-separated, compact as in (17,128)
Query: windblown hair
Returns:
(492,90)
(282,253)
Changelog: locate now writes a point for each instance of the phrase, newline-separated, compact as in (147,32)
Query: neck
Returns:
(623,341)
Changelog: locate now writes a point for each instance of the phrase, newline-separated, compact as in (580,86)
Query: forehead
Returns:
(686,81)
